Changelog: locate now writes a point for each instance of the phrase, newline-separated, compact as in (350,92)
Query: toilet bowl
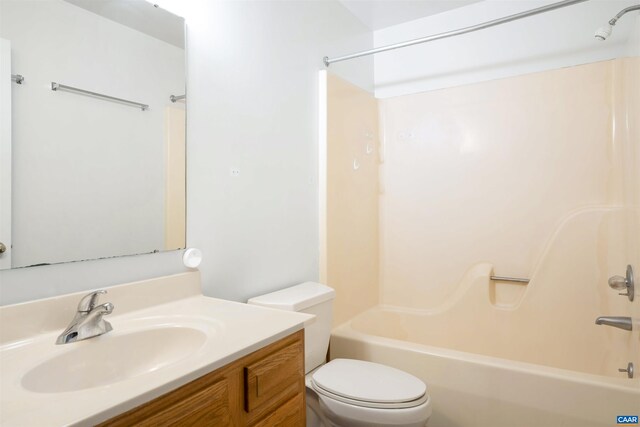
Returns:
(358,393)
(348,392)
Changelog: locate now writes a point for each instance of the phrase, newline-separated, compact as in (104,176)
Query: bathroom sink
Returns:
(113,357)
(165,334)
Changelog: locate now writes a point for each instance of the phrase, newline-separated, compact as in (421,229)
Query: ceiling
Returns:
(140,15)
(377,14)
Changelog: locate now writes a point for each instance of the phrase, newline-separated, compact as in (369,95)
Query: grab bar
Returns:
(509,279)
(57,86)
(18,78)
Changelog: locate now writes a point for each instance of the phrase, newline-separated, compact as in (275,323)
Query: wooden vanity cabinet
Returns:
(265,388)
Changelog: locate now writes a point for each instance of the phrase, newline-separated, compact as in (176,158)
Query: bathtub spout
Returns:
(615,321)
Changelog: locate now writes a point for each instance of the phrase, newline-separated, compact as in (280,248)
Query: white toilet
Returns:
(346,392)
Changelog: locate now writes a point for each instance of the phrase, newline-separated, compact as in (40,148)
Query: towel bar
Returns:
(509,279)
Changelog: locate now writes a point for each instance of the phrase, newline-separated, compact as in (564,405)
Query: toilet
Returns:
(347,392)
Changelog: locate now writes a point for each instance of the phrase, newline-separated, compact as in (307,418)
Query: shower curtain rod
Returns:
(328,61)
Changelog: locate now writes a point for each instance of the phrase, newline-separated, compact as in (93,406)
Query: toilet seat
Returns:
(368,385)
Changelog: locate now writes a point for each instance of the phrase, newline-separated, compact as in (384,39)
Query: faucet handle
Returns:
(629,370)
(89,301)
(621,283)
(618,282)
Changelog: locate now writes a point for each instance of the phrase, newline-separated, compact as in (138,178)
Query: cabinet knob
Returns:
(3,248)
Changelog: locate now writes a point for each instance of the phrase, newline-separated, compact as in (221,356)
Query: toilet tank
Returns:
(309,297)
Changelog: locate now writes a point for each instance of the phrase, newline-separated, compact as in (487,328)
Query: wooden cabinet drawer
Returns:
(184,407)
(275,378)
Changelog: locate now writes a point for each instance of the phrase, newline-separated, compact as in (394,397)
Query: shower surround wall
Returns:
(349,158)
(627,138)
(533,176)
(486,173)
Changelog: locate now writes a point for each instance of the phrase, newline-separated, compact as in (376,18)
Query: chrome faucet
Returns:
(88,321)
(615,321)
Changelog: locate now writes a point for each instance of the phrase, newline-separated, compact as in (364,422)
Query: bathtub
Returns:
(504,354)
(472,389)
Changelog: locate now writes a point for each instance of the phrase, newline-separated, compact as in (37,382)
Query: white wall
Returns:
(633,43)
(88,174)
(252,85)
(253,107)
(555,39)
(5,152)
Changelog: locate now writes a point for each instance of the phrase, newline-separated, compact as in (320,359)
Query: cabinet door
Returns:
(275,378)
(291,414)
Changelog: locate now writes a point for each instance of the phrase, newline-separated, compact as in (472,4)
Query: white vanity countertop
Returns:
(28,333)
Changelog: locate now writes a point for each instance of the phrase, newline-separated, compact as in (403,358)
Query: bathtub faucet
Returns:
(616,321)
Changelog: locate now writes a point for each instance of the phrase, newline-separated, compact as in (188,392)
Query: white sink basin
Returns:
(112,358)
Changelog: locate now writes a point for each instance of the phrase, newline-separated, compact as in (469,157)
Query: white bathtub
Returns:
(471,389)
(504,354)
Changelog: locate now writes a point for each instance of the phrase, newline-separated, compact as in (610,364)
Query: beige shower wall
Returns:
(626,97)
(349,205)
(485,173)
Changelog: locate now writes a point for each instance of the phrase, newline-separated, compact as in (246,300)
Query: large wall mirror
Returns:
(92,135)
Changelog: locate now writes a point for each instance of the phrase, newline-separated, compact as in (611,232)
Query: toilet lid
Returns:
(368,382)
